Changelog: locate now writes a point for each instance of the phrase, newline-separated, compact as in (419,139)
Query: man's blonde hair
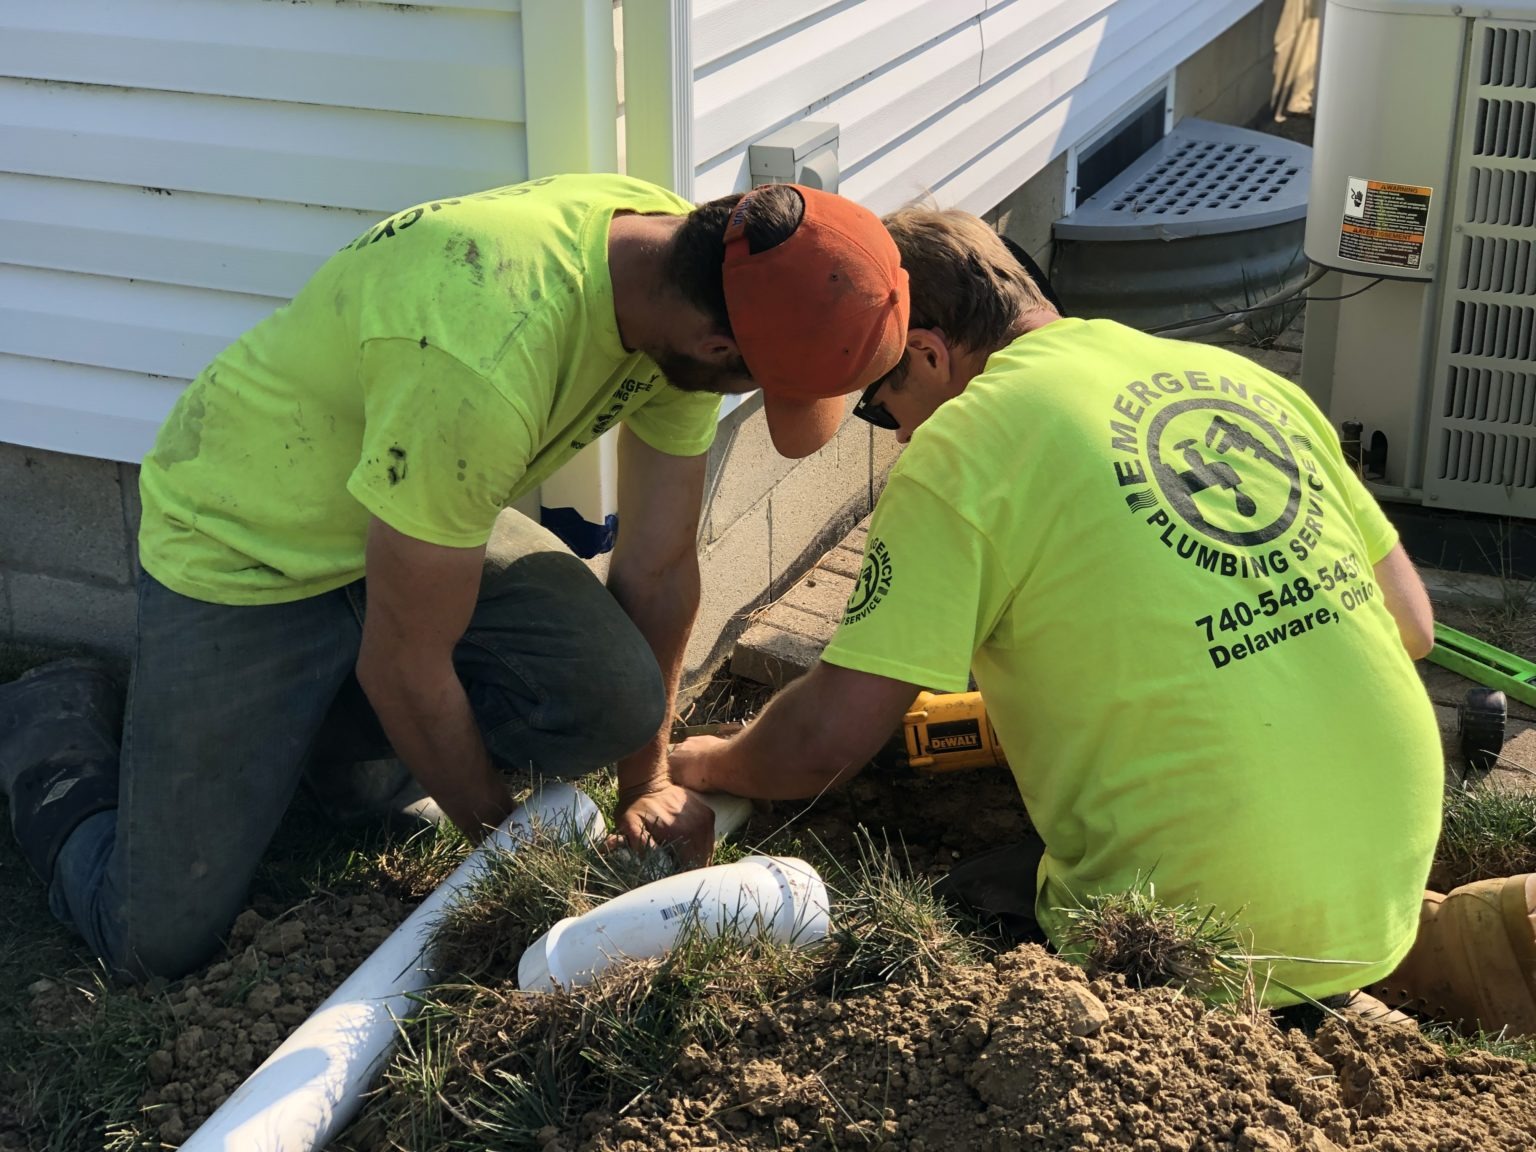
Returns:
(965,282)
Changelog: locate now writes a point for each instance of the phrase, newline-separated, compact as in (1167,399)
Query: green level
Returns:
(1467,656)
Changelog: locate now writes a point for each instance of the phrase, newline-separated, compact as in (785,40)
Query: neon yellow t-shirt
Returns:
(429,374)
(1160,569)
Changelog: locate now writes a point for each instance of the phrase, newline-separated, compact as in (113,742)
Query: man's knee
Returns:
(632,707)
(619,708)
(602,709)
(167,953)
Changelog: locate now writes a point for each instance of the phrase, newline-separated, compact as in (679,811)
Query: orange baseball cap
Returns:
(821,315)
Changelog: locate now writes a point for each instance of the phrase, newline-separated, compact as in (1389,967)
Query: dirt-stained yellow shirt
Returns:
(1157,563)
(430,373)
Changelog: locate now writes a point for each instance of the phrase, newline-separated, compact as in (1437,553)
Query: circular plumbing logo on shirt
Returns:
(873,583)
(1220,468)
(1225,470)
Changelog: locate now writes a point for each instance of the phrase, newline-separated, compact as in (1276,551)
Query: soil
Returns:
(220,1024)
(1022,1052)
(1029,1054)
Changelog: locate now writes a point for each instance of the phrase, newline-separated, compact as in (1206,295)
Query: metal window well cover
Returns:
(1202,179)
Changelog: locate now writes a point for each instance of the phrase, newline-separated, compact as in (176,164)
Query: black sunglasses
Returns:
(877,414)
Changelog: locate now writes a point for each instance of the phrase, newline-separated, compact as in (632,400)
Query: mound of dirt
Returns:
(1029,1054)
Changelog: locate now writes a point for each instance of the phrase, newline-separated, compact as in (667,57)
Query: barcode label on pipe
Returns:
(673,911)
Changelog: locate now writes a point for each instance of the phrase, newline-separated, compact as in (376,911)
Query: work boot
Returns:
(1474,962)
(60,729)
(1367,1007)
(1310,1015)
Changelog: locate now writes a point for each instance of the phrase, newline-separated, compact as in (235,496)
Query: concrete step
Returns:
(787,637)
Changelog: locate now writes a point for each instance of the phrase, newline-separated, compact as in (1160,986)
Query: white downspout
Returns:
(658,92)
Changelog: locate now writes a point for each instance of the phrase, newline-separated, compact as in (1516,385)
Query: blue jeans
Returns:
(227,705)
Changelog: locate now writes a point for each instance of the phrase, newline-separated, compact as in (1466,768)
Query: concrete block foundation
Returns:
(67,555)
(753,554)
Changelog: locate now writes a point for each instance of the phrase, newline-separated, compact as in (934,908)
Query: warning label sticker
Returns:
(1384,223)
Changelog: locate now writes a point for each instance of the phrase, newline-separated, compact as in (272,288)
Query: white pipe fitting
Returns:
(773,897)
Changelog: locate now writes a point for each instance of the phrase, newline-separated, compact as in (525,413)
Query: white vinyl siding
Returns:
(964,99)
(172,170)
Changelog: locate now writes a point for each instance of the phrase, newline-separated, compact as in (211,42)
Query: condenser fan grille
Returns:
(1498,264)
(1482,436)
(1508,59)
(1488,458)
(1501,196)
(1494,395)
(1506,128)
(1498,331)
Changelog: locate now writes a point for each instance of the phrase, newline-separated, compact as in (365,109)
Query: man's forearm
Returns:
(432,728)
(662,607)
(785,754)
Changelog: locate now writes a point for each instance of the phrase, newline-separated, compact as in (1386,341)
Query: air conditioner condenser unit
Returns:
(1424,179)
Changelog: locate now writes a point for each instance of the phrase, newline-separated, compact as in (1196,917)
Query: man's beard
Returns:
(690,374)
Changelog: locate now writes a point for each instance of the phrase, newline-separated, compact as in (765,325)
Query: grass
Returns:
(553,875)
(1494,1043)
(77,1082)
(487,1066)
(1486,832)
(1262,328)
(1150,943)
(889,926)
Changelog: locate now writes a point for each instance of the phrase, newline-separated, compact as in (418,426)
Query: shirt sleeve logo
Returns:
(873,582)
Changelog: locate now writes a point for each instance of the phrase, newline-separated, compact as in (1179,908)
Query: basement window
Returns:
(1127,137)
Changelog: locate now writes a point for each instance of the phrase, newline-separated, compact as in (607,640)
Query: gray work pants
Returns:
(227,705)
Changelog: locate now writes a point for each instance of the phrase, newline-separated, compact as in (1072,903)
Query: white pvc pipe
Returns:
(731,812)
(774,897)
(312,1085)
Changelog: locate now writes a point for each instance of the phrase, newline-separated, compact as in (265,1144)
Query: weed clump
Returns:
(488,1066)
(1134,935)
(1487,832)
(888,926)
(554,874)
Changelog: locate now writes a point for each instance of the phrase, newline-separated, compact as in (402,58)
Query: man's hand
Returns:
(667,814)
(816,734)
(690,762)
